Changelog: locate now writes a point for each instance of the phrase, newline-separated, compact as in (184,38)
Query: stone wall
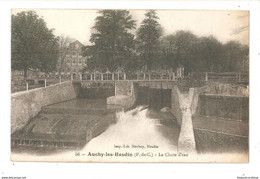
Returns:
(125,94)
(123,88)
(216,142)
(182,107)
(27,104)
(225,107)
(220,115)
(226,89)
(230,101)
(175,104)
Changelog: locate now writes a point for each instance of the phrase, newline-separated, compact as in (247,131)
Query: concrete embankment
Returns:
(125,94)
(213,118)
(220,121)
(27,104)
(183,105)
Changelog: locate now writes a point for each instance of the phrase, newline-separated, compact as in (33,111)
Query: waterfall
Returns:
(134,132)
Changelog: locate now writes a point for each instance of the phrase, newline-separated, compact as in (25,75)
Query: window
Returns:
(79,61)
(74,61)
(74,70)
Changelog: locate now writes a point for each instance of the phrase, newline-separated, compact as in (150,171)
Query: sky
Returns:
(224,25)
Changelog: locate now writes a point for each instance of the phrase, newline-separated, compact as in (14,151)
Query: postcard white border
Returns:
(87,170)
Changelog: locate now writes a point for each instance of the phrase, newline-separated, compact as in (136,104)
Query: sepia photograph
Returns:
(129,85)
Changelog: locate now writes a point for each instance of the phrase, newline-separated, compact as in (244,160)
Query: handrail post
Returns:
(27,86)
(80,77)
(206,76)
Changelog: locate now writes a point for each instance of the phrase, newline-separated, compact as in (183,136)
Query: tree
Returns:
(208,53)
(33,44)
(204,54)
(64,42)
(148,36)
(113,43)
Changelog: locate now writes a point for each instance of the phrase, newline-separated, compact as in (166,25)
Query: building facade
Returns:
(74,61)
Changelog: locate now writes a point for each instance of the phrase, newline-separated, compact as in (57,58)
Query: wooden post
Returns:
(94,76)
(91,78)
(27,87)
(144,76)
(206,76)
(71,76)
(60,78)
(45,83)
(80,77)
(124,76)
(102,76)
(149,76)
(173,76)
(113,76)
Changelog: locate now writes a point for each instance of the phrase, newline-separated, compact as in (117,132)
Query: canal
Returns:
(85,124)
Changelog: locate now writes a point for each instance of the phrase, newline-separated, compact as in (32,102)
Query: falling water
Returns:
(127,141)
(134,132)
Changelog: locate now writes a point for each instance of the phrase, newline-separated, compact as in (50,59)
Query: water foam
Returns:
(132,128)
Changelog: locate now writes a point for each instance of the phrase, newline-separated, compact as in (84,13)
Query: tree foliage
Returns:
(202,54)
(114,45)
(113,42)
(63,42)
(148,38)
(33,44)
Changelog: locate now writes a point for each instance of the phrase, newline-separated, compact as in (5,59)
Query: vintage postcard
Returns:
(128,85)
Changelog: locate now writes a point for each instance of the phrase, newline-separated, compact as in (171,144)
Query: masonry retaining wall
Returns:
(125,94)
(27,104)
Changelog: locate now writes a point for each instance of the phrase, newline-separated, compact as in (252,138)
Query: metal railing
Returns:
(128,76)
(220,77)
(33,83)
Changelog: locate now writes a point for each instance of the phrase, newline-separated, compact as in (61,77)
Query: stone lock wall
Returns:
(125,94)
(27,104)
(123,88)
(183,106)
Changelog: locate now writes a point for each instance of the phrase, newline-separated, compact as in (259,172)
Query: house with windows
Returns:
(74,61)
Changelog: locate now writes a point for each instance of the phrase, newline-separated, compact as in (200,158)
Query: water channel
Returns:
(90,125)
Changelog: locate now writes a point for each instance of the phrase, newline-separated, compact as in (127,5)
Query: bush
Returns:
(30,82)
(41,82)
